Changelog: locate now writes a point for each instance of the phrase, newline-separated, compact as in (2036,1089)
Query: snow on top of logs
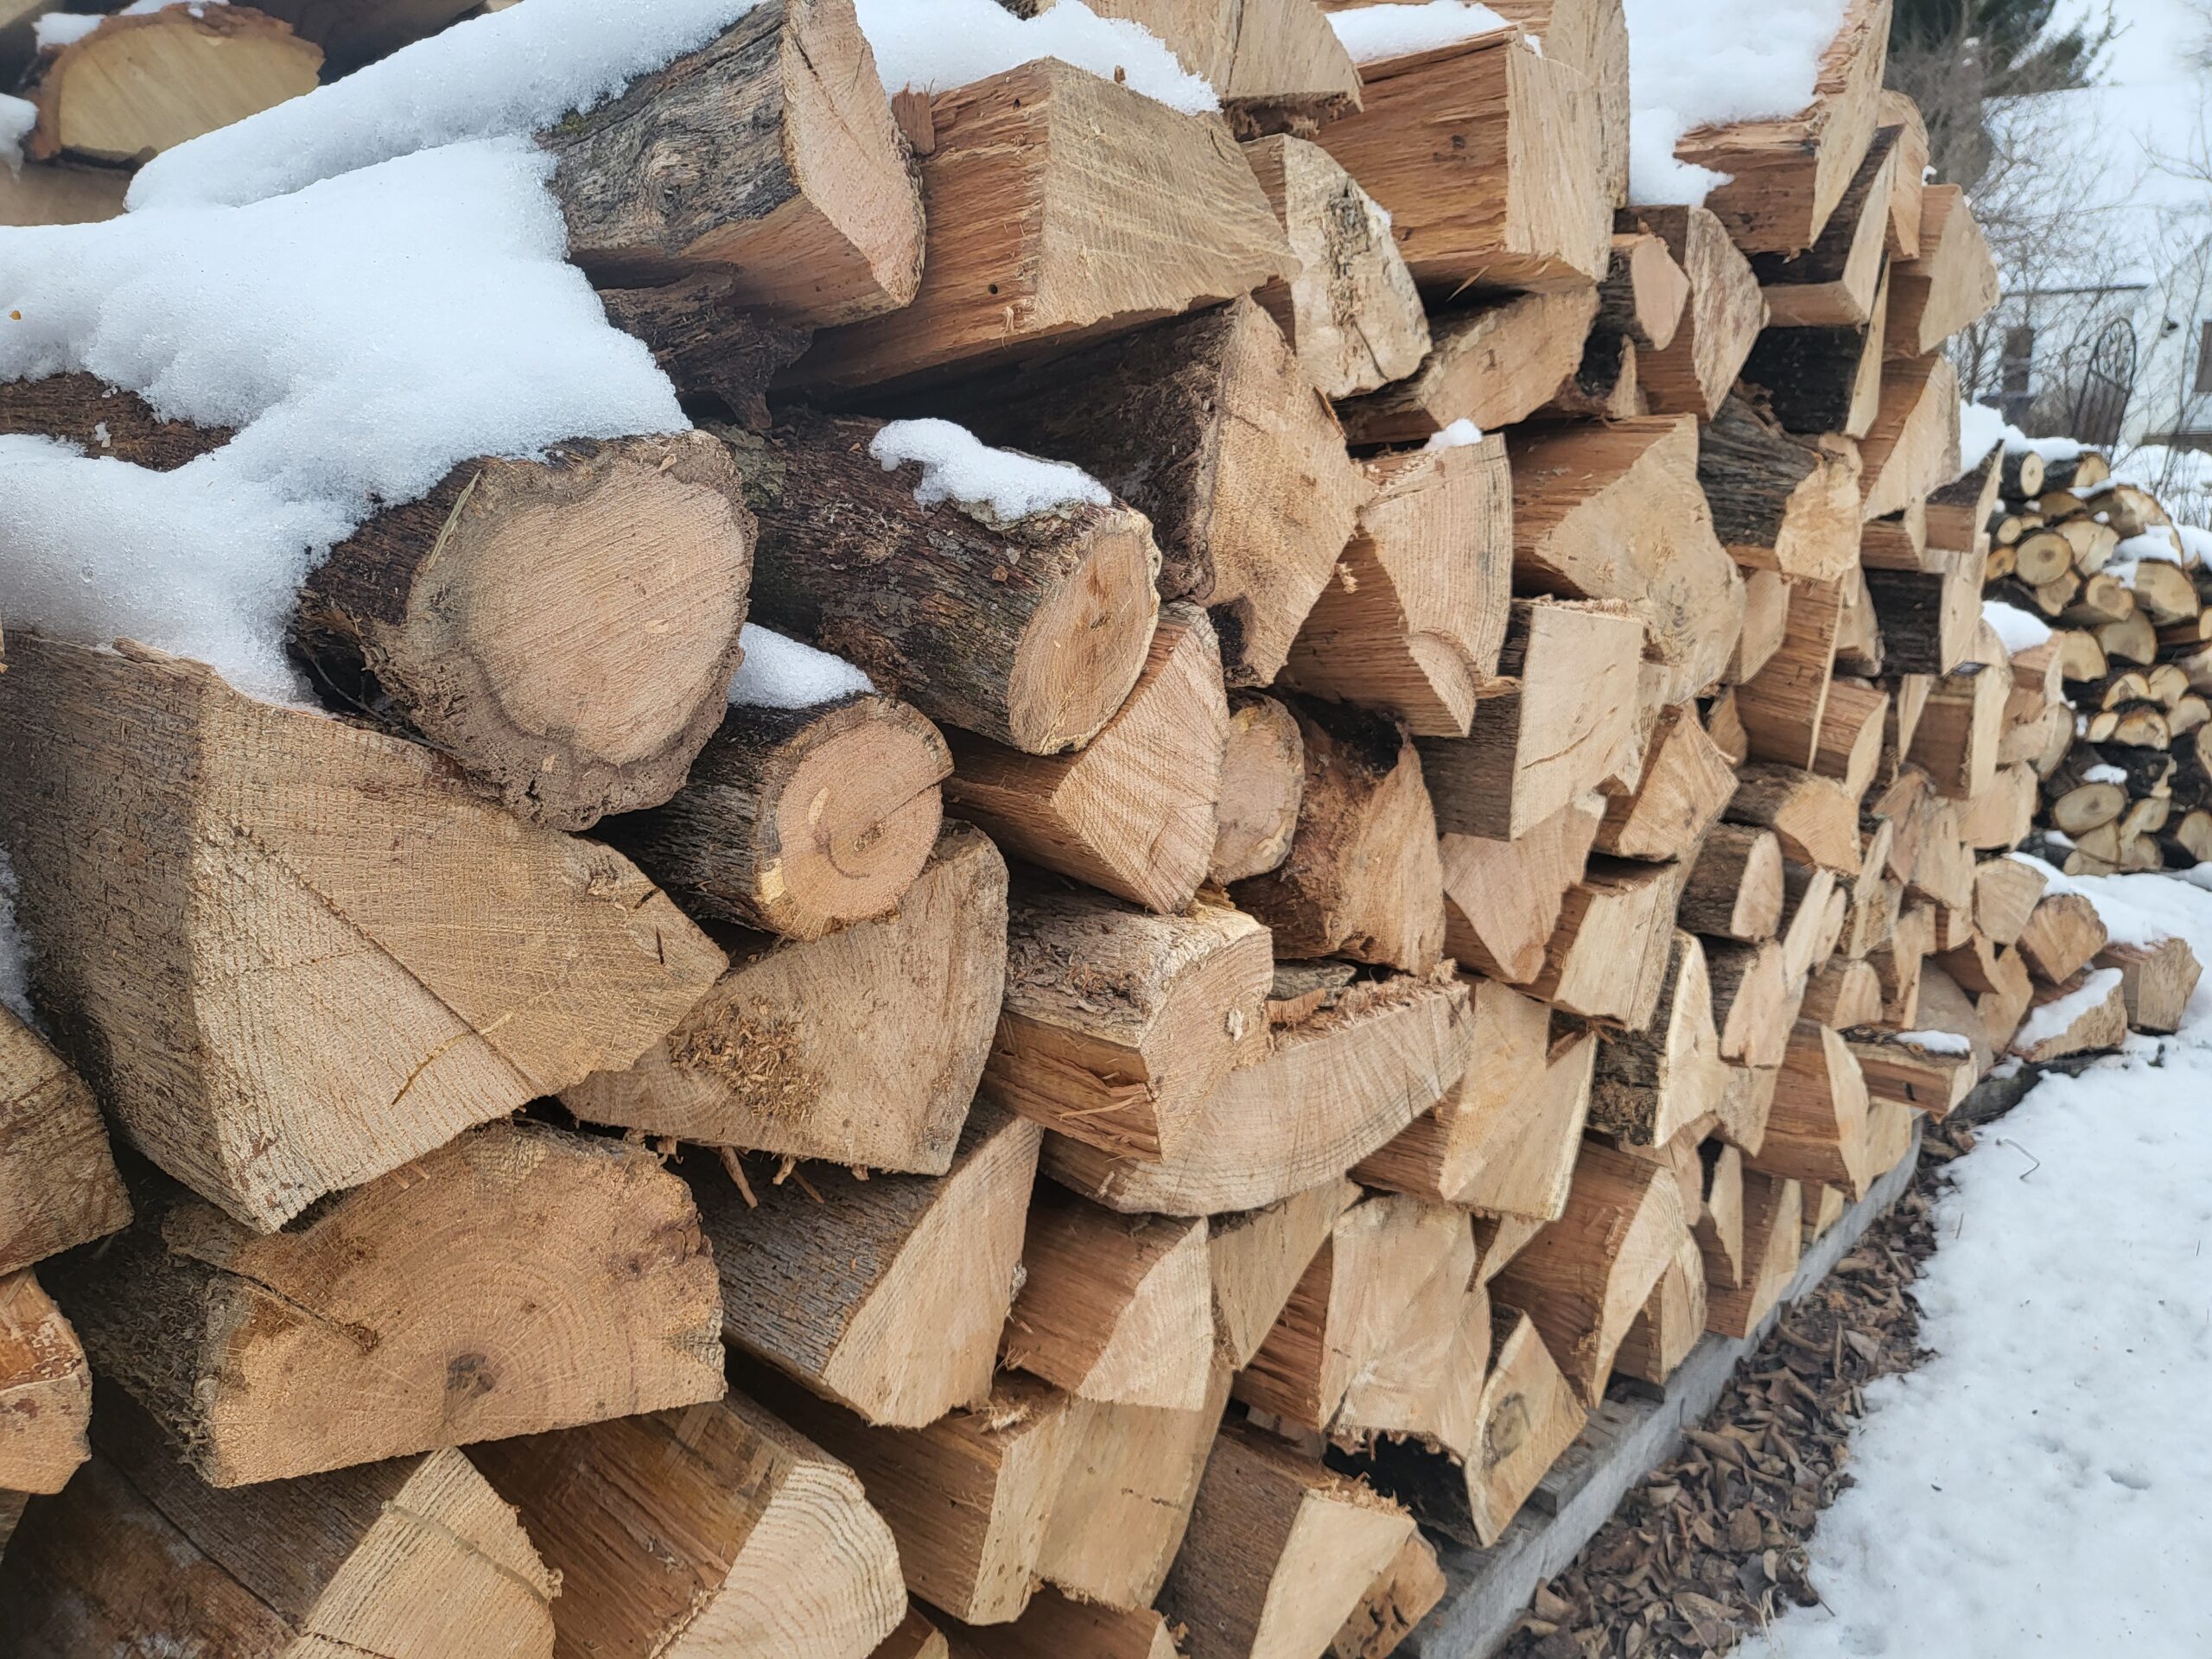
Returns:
(1695,63)
(18,117)
(933,46)
(59,29)
(958,467)
(1457,436)
(2126,909)
(2016,627)
(1371,34)
(779,672)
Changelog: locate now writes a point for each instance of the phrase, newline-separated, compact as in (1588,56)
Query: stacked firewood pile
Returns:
(2126,779)
(1401,891)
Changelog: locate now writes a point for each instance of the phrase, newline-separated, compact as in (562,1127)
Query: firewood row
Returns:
(1392,904)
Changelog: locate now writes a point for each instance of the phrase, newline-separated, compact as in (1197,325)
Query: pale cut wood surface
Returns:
(1727,310)
(398,959)
(1279,1553)
(1327,1092)
(1036,173)
(1502,898)
(1257,1256)
(1352,313)
(1685,783)
(863,1048)
(1951,284)
(1054,1626)
(138,86)
(1263,780)
(1118,1023)
(1523,1184)
(58,1184)
(47,1389)
(712,1530)
(52,194)
(1443,1152)
(1414,613)
(416,1558)
(521,1278)
(1834,282)
(888,1293)
(1492,362)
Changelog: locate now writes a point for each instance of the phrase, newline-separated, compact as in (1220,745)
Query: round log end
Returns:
(1085,647)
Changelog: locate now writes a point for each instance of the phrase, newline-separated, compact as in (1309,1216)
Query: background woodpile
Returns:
(1316,960)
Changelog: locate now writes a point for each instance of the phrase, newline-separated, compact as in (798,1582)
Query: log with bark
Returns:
(48,1389)
(1779,504)
(1833,283)
(1491,362)
(1692,375)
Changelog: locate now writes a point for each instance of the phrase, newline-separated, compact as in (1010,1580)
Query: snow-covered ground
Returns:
(2043,1485)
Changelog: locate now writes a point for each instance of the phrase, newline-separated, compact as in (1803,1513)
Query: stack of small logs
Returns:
(2127,778)
(1399,913)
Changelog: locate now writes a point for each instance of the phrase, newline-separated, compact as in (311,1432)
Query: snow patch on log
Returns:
(1462,432)
(933,46)
(779,672)
(1937,1042)
(18,117)
(1695,63)
(958,467)
(1371,34)
(2053,1018)
(2018,629)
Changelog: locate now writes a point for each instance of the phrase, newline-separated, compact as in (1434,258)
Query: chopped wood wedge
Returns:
(338,1024)
(1501,898)
(58,1183)
(1258,1257)
(48,1389)
(1817,1130)
(1694,373)
(2088,1013)
(1949,285)
(1493,362)
(2156,981)
(1475,1126)
(515,1279)
(683,1532)
(1262,781)
(1773,1236)
(1778,503)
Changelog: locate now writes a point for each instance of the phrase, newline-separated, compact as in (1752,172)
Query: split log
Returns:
(1129,1475)
(1525,1180)
(412,1557)
(1779,504)
(1643,293)
(1276,65)
(1786,175)
(1808,891)
(1480,1120)
(798,821)
(1351,311)
(1955,742)
(1279,1553)
(1816,819)
(1652,1084)
(917,1637)
(1749,1100)
(236,1343)
(2000,817)
(968,1497)
(2007,891)
(1958,513)
(1671,1323)
(1501,898)
(1911,1071)
(1258,1257)
(136,85)
(1054,1625)
(1403,1594)
(1134,813)
(1029,633)
(861,1049)
(1585,1277)
(1590,35)
(1603,386)
(1486,155)
(1913,445)
(1555,730)
(1354,1296)
(1263,780)
(338,1027)
(1719,1233)
(1413,617)
(58,1184)
(1852,726)
(1117,1309)
(1073,205)
(48,1389)
(1833,283)
(1685,783)
(1363,879)
(1208,426)
(1734,887)
(1328,1091)
(1753,1002)
(2156,981)
(2061,937)
(565,628)
(1949,285)
(1896,109)
(1616,512)
(1826,379)
(847,1284)
(1843,993)
(1607,958)
(714,1529)
(712,347)
(1929,616)
(1425,1380)
(1773,1236)
(2087,1014)
(1119,1025)
(1693,374)
(1491,362)
(1527,1416)
(1817,1131)
(1781,705)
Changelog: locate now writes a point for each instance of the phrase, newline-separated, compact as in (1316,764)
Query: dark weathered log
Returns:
(1822,379)
(1030,632)
(1778,503)
(709,342)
